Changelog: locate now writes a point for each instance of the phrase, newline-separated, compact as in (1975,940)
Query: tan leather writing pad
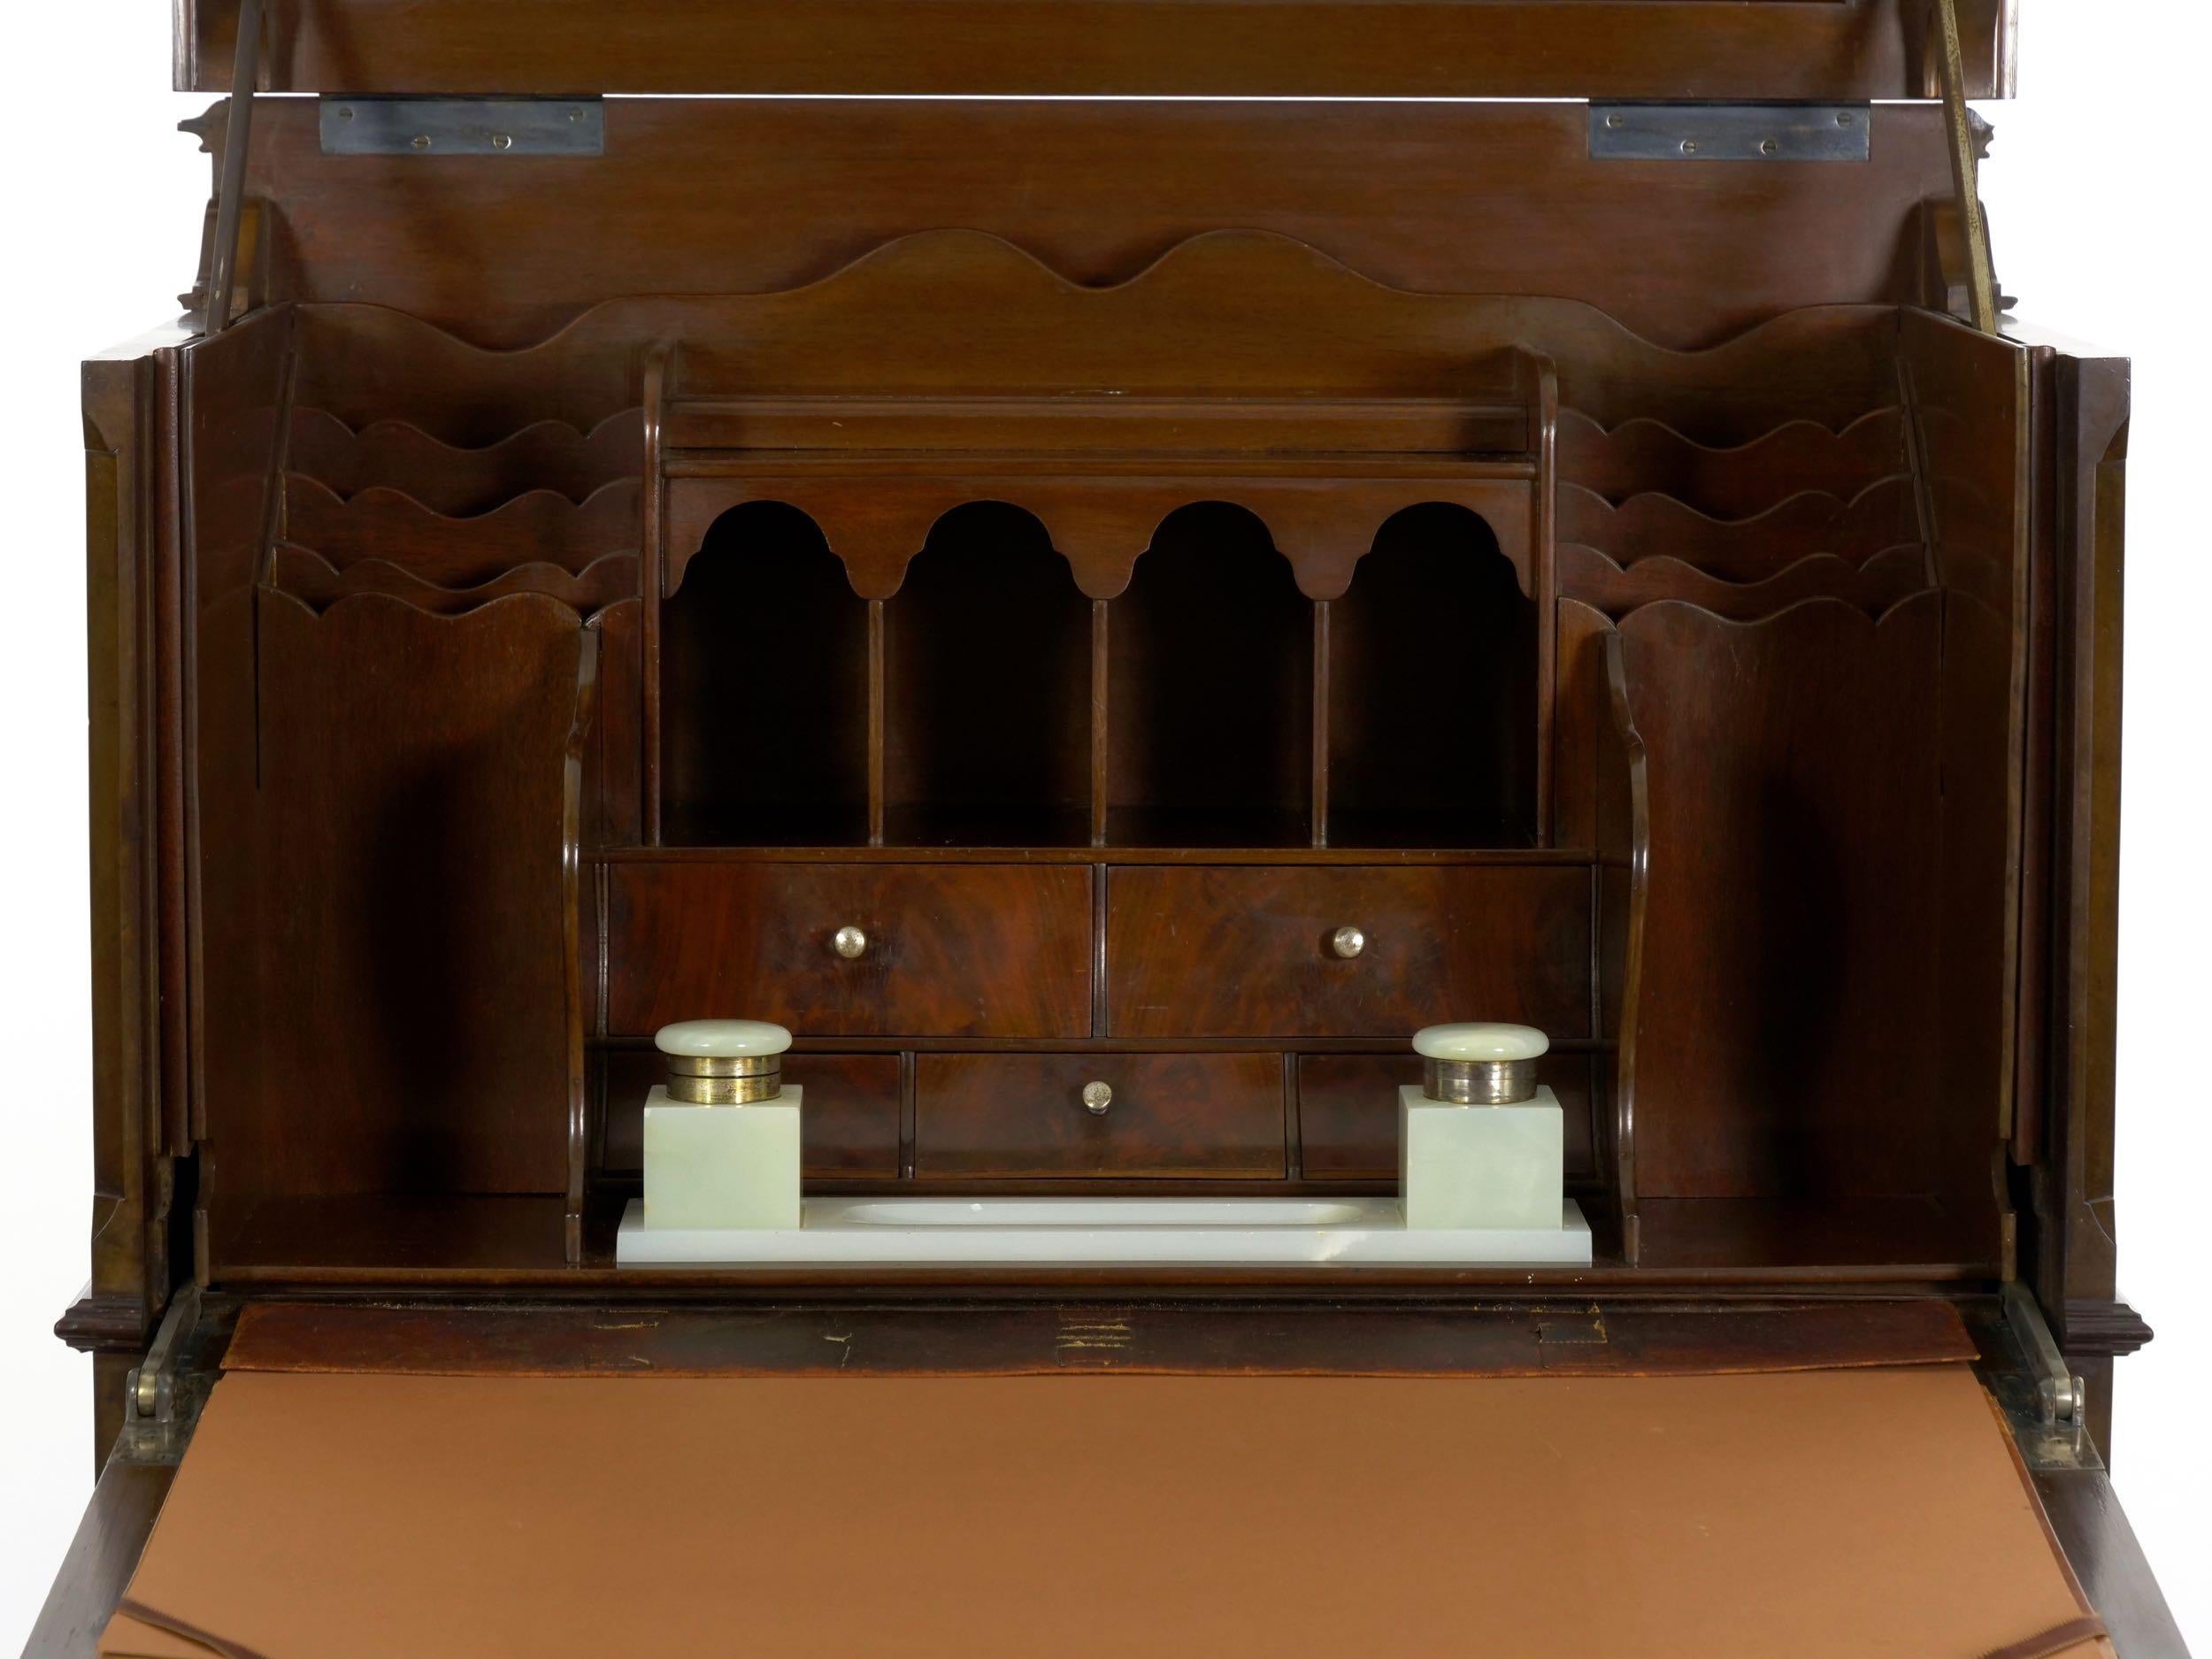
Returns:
(337,1516)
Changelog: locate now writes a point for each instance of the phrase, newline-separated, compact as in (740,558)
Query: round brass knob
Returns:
(1097,1097)
(849,943)
(1347,942)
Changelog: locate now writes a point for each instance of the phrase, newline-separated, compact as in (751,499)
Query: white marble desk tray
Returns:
(1020,1232)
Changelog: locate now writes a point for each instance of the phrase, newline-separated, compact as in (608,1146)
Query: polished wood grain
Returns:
(1687,48)
(997,1116)
(408,1016)
(1245,952)
(1099,191)
(1794,880)
(997,950)
(1621,1337)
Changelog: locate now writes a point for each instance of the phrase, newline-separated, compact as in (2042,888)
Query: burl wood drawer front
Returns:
(966,950)
(1245,952)
(1022,1115)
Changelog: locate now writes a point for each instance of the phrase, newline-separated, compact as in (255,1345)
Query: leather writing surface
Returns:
(1809,1514)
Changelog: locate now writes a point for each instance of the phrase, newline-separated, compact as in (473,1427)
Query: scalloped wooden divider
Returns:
(397,454)
(307,576)
(540,527)
(1643,455)
(1873,585)
(1884,516)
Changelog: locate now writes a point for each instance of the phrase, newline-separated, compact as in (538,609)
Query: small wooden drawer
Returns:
(947,950)
(1248,952)
(1022,1115)
(1348,1111)
(848,1131)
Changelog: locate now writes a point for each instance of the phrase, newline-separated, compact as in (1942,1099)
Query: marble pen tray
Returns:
(1014,1232)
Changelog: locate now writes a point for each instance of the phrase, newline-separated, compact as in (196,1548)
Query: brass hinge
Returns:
(162,1397)
(2046,1400)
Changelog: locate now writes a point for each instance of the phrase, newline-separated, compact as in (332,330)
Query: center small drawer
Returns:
(1026,1116)
(851,949)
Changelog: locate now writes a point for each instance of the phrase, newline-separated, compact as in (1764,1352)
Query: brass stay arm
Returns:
(1981,277)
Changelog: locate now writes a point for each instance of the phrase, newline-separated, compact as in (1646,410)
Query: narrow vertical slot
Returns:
(1101,646)
(652,581)
(1321,723)
(765,687)
(875,723)
(1210,733)
(1434,690)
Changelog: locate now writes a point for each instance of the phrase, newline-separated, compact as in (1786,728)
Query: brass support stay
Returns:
(222,260)
(1981,277)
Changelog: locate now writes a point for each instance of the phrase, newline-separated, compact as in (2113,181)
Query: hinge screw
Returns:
(1689,147)
(1768,147)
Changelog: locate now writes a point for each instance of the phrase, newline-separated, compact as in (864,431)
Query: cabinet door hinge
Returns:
(1730,132)
(2045,1399)
(162,1396)
(430,127)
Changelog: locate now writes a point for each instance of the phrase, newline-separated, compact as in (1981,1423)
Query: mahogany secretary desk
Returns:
(1159,544)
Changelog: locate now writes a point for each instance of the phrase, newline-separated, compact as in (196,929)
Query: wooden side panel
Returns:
(2077,1229)
(124,424)
(1677,48)
(1972,426)
(1444,198)
(405,913)
(1790,999)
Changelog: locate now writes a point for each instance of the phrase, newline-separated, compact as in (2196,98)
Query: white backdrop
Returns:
(2097,203)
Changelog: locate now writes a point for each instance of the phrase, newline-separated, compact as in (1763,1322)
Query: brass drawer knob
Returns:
(1097,1097)
(1347,942)
(849,943)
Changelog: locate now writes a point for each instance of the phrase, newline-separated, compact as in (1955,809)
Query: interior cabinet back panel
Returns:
(1098,192)
(968,950)
(1223,952)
